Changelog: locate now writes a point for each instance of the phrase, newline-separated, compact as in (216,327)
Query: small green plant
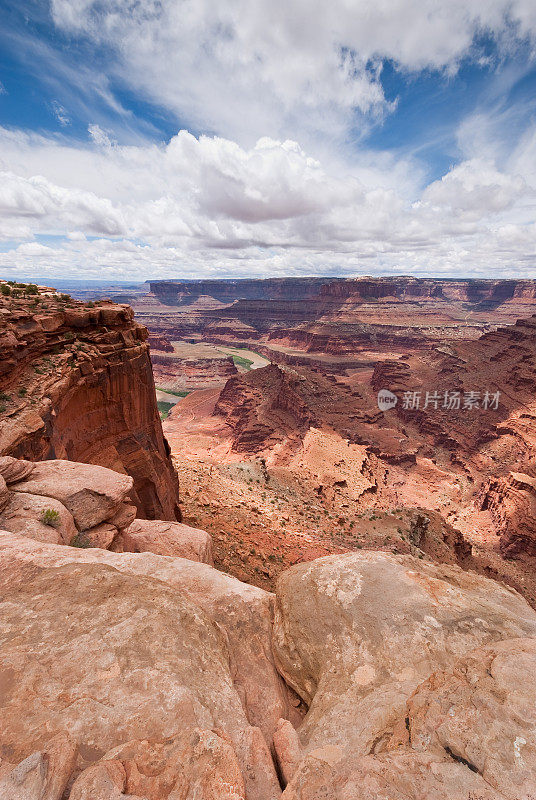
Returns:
(32,289)
(66,298)
(23,392)
(79,540)
(50,517)
(5,398)
(5,289)
(2,409)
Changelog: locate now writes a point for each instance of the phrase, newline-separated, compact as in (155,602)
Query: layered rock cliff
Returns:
(76,382)
(339,317)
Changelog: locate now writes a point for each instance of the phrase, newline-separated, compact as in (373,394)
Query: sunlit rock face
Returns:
(79,386)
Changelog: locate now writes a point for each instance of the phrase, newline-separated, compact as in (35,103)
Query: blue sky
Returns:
(158,139)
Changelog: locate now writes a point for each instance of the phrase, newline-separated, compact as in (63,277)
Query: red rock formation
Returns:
(174,372)
(76,382)
(512,503)
(335,316)
(159,342)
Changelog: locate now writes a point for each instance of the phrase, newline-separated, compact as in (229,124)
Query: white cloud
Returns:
(253,68)
(61,114)
(207,206)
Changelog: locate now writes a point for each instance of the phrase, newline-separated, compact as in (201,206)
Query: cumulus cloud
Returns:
(209,206)
(275,188)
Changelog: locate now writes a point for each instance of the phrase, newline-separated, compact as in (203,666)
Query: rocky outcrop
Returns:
(174,372)
(159,342)
(76,383)
(512,503)
(262,407)
(355,635)
(83,505)
(155,648)
(156,679)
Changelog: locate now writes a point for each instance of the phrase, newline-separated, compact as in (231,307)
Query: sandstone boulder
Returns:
(38,517)
(288,750)
(168,539)
(468,733)
(355,635)
(15,469)
(128,654)
(91,493)
(43,775)
(328,774)
(106,780)
(482,713)
(4,494)
(101,536)
(198,764)
(241,611)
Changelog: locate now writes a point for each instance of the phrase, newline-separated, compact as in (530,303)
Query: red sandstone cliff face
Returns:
(159,342)
(76,383)
(173,372)
(334,316)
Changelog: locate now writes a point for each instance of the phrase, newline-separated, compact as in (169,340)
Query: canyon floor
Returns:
(301,462)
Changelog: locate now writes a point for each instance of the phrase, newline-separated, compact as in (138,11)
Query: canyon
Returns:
(340,602)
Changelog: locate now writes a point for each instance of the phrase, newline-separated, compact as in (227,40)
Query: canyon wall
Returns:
(76,382)
(337,289)
(337,316)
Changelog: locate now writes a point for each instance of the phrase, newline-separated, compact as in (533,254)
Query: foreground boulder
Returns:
(42,518)
(418,678)
(200,764)
(168,539)
(482,713)
(87,506)
(43,775)
(355,635)
(135,646)
(90,493)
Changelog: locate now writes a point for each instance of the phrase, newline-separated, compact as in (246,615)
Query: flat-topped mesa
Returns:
(76,383)
(365,288)
(334,316)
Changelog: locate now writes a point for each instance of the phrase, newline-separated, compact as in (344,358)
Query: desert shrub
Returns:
(50,517)
(79,540)
(23,392)
(5,289)
(32,289)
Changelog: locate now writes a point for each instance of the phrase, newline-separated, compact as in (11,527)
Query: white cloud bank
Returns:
(209,206)
(263,75)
